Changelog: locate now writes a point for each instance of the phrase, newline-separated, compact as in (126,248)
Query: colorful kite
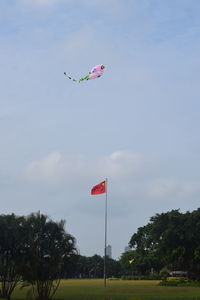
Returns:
(96,72)
(131,260)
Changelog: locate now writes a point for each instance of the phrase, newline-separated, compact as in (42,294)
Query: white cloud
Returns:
(161,187)
(168,188)
(56,168)
(111,7)
(50,168)
(123,163)
(41,3)
(124,166)
(189,189)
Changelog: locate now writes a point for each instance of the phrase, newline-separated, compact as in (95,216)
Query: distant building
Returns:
(127,248)
(109,251)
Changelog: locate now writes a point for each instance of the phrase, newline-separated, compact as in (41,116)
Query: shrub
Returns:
(141,277)
(179,283)
(177,279)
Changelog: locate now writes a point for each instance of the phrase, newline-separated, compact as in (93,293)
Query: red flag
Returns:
(99,188)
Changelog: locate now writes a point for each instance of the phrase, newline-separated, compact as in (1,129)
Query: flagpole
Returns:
(105,234)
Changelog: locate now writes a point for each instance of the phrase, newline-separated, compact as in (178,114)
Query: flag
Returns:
(99,188)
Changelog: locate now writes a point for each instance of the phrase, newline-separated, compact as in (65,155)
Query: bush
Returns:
(177,279)
(179,283)
(141,277)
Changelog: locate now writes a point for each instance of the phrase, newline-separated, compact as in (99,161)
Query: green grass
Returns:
(93,289)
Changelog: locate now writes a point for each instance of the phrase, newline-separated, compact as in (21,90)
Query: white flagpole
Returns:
(105,234)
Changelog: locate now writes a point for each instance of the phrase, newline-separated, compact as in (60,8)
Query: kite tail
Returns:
(84,78)
(81,79)
(75,80)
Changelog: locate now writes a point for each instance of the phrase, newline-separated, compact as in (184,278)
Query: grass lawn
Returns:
(93,289)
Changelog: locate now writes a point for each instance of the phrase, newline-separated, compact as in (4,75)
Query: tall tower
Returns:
(109,251)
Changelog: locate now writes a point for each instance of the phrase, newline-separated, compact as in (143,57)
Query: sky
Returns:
(137,125)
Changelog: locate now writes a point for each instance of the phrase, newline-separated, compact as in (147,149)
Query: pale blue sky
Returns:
(138,125)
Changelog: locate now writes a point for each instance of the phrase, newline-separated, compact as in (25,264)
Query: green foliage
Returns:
(170,239)
(34,249)
(93,267)
(48,251)
(136,262)
(11,250)
(181,282)
(142,277)
(176,279)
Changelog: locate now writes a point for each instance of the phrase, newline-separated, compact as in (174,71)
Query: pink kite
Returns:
(96,72)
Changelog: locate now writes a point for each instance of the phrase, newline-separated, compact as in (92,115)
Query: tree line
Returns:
(170,241)
(37,252)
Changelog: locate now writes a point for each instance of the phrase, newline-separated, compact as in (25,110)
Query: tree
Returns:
(113,268)
(93,267)
(11,249)
(173,238)
(90,267)
(127,261)
(48,251)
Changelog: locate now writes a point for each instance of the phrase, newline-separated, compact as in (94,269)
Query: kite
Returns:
(96,72)
(131,260)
